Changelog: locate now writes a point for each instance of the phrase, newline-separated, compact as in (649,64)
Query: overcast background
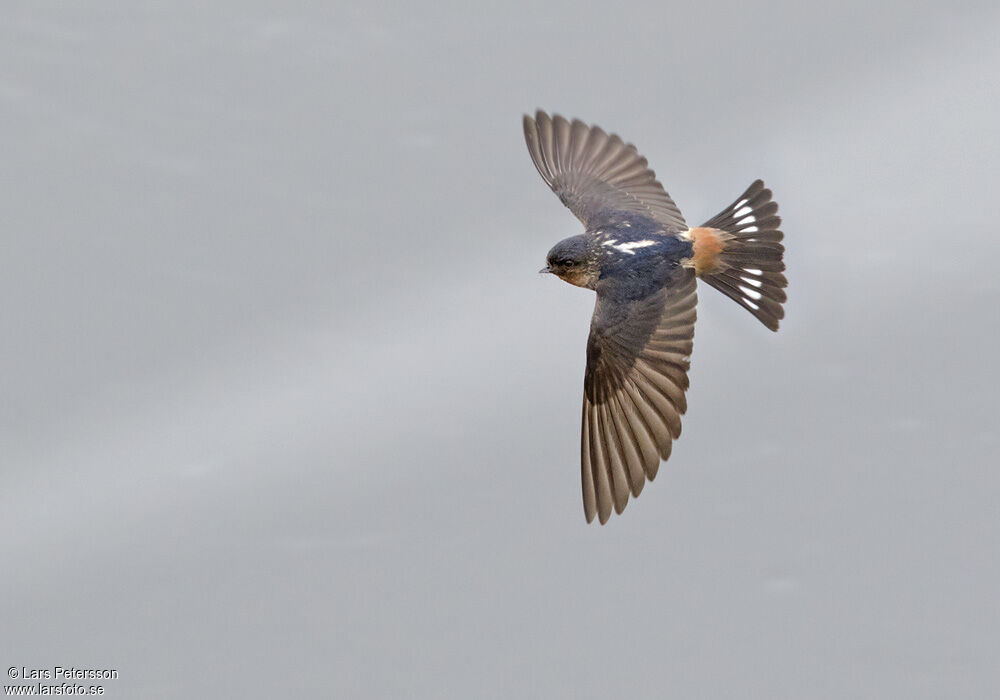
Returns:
(285,410)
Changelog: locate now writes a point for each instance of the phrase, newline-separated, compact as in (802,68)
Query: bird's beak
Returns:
(544,270)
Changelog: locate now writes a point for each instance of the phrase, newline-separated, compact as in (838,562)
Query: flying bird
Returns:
(642,259)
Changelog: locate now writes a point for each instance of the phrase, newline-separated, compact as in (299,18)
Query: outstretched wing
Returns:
(638,356)
(597,176)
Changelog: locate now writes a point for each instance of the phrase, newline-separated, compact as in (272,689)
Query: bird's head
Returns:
(570,260)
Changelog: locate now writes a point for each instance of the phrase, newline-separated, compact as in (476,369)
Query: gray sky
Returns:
(286,409)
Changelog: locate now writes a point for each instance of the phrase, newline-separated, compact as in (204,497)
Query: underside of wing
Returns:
(598,177)
(638,356)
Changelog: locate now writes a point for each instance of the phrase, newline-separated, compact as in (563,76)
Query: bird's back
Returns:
(638,252)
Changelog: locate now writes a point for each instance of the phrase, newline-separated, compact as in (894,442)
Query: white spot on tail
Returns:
(752,293)
(742,211)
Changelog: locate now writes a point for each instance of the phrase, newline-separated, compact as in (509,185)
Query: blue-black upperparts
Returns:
(635,255)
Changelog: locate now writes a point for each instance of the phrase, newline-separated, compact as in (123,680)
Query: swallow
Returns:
(642,259)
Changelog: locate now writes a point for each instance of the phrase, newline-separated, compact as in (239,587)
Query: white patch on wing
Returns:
(611,242)
(742,211)
(631,246)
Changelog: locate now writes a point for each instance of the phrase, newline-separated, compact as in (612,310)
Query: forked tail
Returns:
(739,252)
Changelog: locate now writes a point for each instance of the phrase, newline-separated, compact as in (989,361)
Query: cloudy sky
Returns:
(287,411)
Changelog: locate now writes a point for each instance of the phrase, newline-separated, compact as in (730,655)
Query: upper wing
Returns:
(638,356)
(597,175)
